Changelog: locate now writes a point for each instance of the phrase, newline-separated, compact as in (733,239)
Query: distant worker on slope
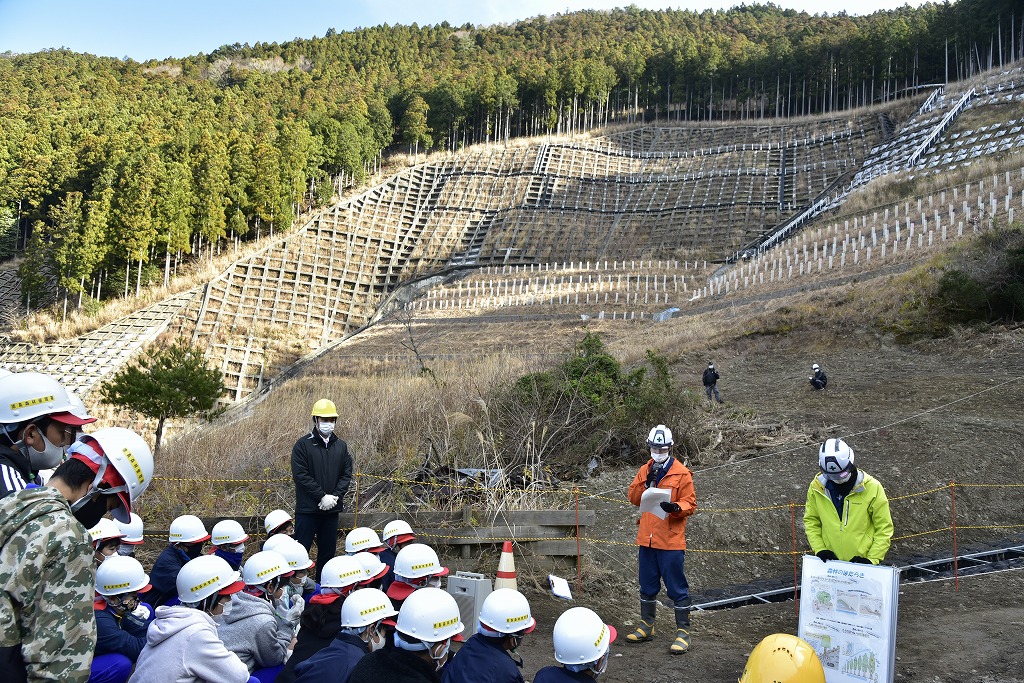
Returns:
(662,538)
(710,380)
(847,514)
(818,380)
(322,471)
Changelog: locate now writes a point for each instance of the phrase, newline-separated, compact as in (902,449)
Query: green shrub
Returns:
(589,406)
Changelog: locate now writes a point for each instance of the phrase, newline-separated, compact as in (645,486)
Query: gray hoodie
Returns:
(253,631)
(182,647)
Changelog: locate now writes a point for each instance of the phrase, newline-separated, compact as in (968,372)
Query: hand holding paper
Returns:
(652,499)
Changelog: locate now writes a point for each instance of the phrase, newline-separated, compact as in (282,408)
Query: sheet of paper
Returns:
(559,587)
(651,501)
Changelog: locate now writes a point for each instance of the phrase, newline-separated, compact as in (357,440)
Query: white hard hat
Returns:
(295,555)
(342,571)
(264,566)
(120,458)
(814,367)
(581,637)
(372,565)
(835,458)
(78,408)
(228,532)
(133,530)
(278,540)
(506,610)
(398,527)
(362,538)
(25,396)
(104,530)
(659,437)
(364,607)
(4,372)
(275,519)
(188,529)
(119,575)
(417,560)
(205,575)
(431,615)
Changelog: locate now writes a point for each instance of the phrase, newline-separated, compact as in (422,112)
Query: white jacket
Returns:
(182,646)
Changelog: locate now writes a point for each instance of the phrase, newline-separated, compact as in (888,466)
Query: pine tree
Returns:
(165,382)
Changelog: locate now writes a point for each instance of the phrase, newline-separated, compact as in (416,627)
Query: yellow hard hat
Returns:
(783,658)
(324,408)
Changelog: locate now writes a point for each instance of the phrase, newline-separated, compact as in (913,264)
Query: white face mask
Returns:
(126,550)
(325,428)
(376,640)
(440,656)
(240,548)
(46,459)
(659,458)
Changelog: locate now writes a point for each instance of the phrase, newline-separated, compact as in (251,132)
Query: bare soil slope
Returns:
(918,417)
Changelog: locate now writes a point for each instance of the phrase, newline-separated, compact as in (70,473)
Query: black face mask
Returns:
(193,550)
(92,512)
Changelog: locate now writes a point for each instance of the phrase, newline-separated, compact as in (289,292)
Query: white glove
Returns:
(140,615)
(293,614)
(328,502)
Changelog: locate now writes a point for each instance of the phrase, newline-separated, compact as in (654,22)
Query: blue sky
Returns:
(155,29)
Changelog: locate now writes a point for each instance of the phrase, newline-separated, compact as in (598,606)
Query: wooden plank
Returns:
(478,535)
(541,517)
(563,548)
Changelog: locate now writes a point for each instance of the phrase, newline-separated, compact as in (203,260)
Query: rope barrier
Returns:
(223,481)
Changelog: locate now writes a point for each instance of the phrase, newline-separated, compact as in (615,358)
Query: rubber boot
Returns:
(682,641)
(648,612)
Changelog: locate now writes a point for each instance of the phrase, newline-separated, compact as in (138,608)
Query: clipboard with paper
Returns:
(652,499)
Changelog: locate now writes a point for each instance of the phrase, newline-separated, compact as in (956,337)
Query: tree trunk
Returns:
(159,434)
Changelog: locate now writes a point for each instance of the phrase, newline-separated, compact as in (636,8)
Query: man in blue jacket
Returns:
(362,631)
(121,619)
(489,655)
(322,471)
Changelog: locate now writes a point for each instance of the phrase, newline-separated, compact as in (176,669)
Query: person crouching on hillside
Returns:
(818,380)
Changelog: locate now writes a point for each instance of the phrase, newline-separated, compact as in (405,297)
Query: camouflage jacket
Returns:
(46,590)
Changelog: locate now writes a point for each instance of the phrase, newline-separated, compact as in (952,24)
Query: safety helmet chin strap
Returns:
(94,487)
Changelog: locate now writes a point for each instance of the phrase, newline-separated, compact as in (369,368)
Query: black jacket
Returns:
(15,471)
(318,470)
(334,663)
(710,377)
(320,623)
(164,575)
(820,376)
(393,665)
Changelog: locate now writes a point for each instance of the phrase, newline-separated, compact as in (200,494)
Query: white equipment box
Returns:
(469,590)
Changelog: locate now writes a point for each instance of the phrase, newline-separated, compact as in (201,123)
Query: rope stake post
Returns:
(579,555)
(796,577)
(952,508)
(355,507)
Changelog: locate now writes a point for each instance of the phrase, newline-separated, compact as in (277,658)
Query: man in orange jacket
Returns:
(662,537)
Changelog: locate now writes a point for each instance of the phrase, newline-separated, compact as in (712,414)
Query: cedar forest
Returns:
(111,169)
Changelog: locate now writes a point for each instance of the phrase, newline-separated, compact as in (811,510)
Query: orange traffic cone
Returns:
(506,577)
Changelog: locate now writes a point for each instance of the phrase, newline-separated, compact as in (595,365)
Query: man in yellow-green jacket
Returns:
(847,514)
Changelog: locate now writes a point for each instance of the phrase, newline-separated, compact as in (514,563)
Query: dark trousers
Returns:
(663,565)
(323,527)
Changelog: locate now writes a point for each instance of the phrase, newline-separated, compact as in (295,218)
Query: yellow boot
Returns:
(682,642)
(643,632)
